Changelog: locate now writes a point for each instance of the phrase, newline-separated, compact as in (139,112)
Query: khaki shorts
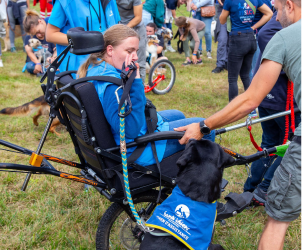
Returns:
(284,193)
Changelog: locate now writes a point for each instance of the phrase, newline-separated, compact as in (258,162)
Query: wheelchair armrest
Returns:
(158,136)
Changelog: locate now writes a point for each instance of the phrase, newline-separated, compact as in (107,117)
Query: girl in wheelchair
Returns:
(121,44)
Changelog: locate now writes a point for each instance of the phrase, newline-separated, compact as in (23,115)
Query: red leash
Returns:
(289,104)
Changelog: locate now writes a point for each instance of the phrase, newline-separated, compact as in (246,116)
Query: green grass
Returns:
(55,213)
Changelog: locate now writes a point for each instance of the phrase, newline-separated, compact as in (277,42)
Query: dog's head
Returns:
(167,34)
(34,43)
(200,170)
(152,39)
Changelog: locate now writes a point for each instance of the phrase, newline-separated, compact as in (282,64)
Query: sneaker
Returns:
(217,70)
(169,48)
(260,197)
(200,53)
(187,63)
(199,61)
(253,114)
(1,64)
(209,55)
(13,49)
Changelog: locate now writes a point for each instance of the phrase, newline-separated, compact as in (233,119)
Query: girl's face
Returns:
(117,55)
(39,30)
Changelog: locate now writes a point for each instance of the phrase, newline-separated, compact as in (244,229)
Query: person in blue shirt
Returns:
(273,134)
(36,27)
(89,14)
(242,42)
(256,55)
(121,45)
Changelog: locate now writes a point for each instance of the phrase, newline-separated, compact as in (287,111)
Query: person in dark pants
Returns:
(221,35)
(242,42)
(273,130)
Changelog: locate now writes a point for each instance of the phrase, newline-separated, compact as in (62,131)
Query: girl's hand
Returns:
(194,59)
(128,61)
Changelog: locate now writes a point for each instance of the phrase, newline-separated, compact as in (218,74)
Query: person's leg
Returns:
(192,42)
(255,58)
(172,115)
(49,9)
(42,8)
(142,51)
(208,36)
(273,235)
(222,40)
(247,62)
(235,58)
(30,67)
(186,47)
(198,17)
(147,17)
(270,138)
(280,122)
(173,146)
(283,199)
(22,10)
(12,25)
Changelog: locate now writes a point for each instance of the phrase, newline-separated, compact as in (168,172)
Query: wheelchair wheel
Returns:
(162,74)
(116,229)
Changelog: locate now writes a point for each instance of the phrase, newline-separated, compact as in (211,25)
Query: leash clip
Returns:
(248,170)
(248,122)
(126,102)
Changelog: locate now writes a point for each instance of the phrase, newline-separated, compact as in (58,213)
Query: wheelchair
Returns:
(76,103)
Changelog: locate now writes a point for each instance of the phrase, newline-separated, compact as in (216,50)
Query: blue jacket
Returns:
(135,123)
(88,14)
(189,221)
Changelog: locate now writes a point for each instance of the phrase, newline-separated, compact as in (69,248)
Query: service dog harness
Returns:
(189,221)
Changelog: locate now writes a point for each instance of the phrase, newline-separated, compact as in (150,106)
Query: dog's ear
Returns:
(186,156)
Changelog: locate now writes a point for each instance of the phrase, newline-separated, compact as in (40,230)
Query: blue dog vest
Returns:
(191,222)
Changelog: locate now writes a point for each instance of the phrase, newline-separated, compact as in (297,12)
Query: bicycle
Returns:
(161,77)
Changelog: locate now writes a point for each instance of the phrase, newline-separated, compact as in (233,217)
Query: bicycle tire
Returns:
(112,214)
(166,85)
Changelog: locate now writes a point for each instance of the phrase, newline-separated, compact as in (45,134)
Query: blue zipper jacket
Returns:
(135,123)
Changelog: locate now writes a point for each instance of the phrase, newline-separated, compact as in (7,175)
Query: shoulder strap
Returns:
(251,6)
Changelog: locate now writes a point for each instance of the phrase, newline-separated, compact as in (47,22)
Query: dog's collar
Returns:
(37,49)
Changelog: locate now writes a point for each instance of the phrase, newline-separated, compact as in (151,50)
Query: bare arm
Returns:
(31,54)
(223,16)
(27,1)
(174,13)
(267,15)
(219,1)
(243,104)
(53,35)
(138,12)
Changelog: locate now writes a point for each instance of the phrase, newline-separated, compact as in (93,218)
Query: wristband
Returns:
(194,54)
(38,63)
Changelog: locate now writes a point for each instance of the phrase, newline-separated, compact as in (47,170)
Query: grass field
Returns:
(55,213)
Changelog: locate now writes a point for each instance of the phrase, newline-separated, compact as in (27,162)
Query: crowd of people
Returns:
(255,42)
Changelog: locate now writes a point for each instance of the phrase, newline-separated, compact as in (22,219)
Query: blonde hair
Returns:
(184,22)
(31,19)
(114,36)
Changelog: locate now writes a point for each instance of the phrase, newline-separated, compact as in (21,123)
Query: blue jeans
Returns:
(12,24)
(177,119)
(273,134)
(241,51)
(147,17)
(208,36)
(30,67)
(254,62)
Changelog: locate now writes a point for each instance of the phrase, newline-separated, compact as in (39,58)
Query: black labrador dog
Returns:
(200,174)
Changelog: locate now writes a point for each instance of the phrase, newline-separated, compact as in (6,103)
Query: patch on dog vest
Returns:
(191,222)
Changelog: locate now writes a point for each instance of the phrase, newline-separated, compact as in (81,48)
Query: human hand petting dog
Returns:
(38,68)
(192,132)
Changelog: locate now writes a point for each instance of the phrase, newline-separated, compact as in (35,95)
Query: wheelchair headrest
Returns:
(85,42)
